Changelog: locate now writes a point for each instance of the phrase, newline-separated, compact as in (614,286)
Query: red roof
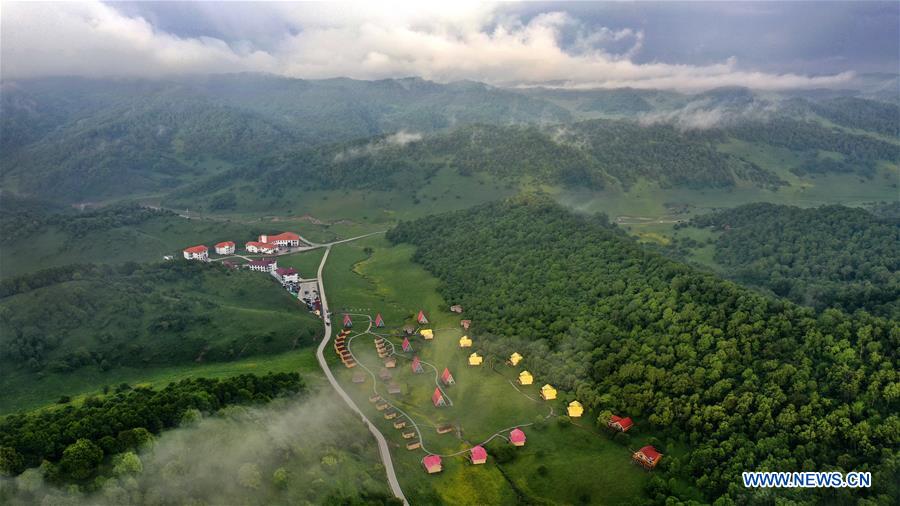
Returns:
(347,319)
(517,436)
(264,261)
(196,249)
(431,461)
(436,397)
(416,365)
(479,453)
(421,317)
(284,236)
(625,423)
(406,344)
(446,374)
(261,245)
(650,452)
(225,244)
(285,271)
(378,320)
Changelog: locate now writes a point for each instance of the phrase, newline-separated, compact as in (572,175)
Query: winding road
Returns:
(383,449)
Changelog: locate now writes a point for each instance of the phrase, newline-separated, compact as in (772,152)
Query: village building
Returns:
(620,424)
(225,248)
(548,393)
(390,415)
(428,334)
(283,240)
(432,463)
(421,318)
(575,409)
(263,265)
(514,359)
(399,424)
(446,377)
(456,308)
(437,398)
(444,428)
(465,324)
(379,322)
(408,435)
(406,346)
(197,253)
(416,365)
(390,362)
(525,378)
(475,359)
(478,455)
(286,275)
(647,457)
(230,264)
(414,445)
(384,374)
(409,329)
(348,323)
(394,389)
(260,247)
(517,437)
(465,342)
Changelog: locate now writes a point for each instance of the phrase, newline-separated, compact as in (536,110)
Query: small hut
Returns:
(456,308)
(421,318)
(575,409)
(394,389)
(548,393)
(647,457)
(514,359)
(517,437)
(465,324)
(414,445)
(408,435)
(384,374)
(446,377)
(390,415)
(444,428)
(465,342)
(525,378)
(374,398)
(417,365)
(478,455)
(379,321)
(409,329)
(359,377)
(390,362)
(437,398)
(399,424)
(348,323)
(620,424)
(406,346)
(432,463)
(475,359)
(428,334)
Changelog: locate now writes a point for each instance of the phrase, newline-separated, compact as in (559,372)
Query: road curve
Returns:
(383,449)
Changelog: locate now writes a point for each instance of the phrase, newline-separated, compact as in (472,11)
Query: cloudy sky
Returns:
(765,45)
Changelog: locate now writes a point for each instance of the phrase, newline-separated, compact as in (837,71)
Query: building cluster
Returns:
(266,245)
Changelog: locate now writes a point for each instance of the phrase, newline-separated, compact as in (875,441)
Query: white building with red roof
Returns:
(286,275)
(225,248)
(260,247)
(283,240)
(197,253)
(263,265)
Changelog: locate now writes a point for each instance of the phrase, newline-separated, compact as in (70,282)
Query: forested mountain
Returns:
(740,380)
(831,256)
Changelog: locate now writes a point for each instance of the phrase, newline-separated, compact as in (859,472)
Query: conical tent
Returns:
(446,377)
(438,398)
(421,318)
(379,322)
(416,365)
(406,346)
(347,321)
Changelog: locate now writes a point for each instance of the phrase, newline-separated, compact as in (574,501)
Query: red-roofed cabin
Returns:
(379,322)
(347,321)
(225,248)
(446,377)
(284,239)
(620,424)
(517,437)
(465,324)
(263,265)
(287,275)
(196,253)
(421,318)
(416,365)
(406,346)
(432,463)
(260,247)
(478,455)
(647,457)
(437,398)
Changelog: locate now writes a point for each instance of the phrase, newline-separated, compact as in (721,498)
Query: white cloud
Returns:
(442,42)
(398,139)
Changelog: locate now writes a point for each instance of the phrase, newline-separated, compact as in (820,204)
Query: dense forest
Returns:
(831,256)
(21,218)
(72,441)
(739,380)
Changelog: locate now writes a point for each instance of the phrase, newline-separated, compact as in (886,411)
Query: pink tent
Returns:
(517,437)
(432,463)
(446,377)
(421,318)
(416,365)
(406,346)
(347,321)
(437,398)
(479,455)
(379,322)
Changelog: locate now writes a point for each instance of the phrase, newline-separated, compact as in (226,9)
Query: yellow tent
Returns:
(525,378)
(427,333)
(465,342)
(548,392)
(515,358)
(575,409)
(475,359)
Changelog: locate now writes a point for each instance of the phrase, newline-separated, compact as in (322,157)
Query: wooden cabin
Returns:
(374,398)
(444,428)
(548,393)
(390,362)
(408,435)
(648,457)
(456,308)
(381,406)
(390,415)
(620,424)
(415,445)
(399,424)
(394,389)
(575,409)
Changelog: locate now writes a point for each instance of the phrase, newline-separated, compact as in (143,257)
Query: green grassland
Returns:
(216,322)
(306,263)
(550,469)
